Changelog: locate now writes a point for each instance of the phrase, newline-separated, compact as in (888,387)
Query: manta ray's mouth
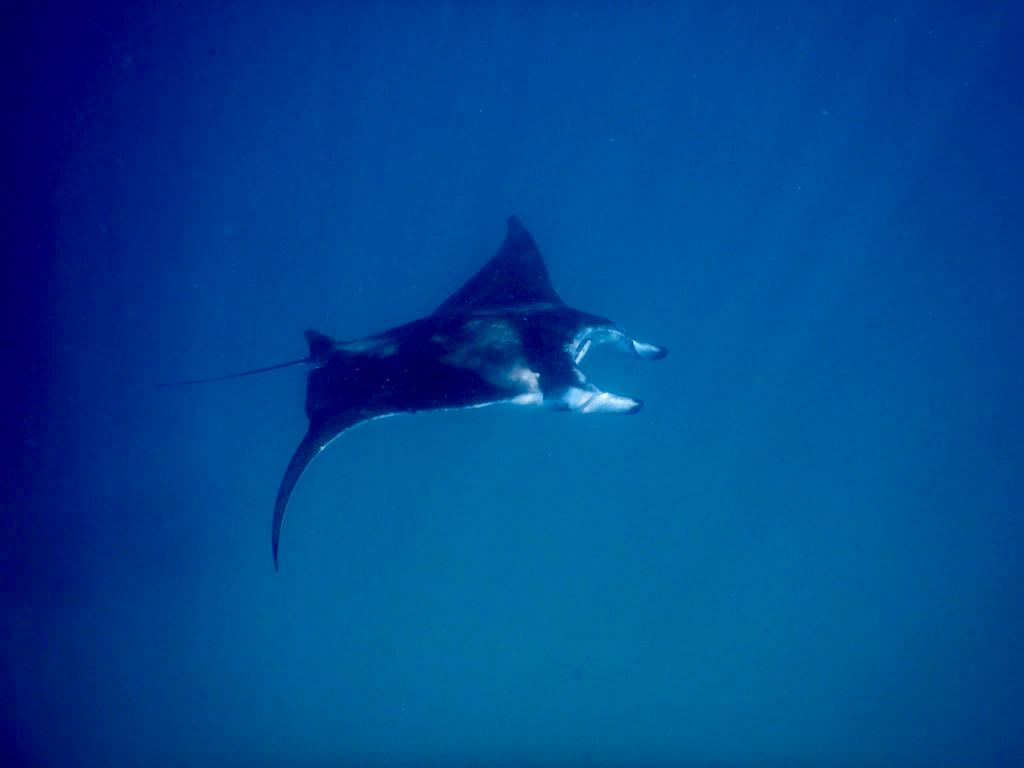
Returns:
(586,397)
(581,350)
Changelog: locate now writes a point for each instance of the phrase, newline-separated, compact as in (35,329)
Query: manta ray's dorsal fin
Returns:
(515,275)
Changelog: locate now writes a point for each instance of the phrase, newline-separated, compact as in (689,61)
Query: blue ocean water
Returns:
(805,550)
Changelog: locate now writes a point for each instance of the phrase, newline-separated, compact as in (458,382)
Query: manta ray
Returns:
(505,336)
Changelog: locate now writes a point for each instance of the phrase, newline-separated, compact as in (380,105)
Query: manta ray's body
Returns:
(504,337)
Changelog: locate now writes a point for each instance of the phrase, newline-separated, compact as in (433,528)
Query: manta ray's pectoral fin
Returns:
(319,436)
(515,275)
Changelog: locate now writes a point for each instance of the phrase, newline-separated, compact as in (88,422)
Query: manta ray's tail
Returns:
(321,347)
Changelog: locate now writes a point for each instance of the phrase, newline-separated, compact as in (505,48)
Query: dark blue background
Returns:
(805,550)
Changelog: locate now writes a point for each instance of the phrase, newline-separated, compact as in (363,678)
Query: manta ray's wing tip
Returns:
(275,538)
(515,226)
(319,435)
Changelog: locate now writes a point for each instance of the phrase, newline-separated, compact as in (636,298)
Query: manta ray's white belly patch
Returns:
(530,382)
